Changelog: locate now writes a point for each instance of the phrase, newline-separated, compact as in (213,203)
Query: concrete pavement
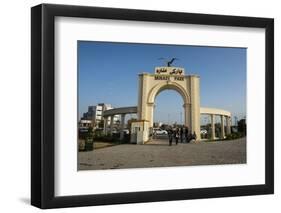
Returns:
(158,154)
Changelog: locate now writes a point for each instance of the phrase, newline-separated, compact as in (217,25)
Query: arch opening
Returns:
(184,113)
(168,108)
(168,86)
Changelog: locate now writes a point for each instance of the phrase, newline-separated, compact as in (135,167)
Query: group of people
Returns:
(181,134)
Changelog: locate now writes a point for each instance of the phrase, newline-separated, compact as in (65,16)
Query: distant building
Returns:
(157,124)
(85,123)
(95,113)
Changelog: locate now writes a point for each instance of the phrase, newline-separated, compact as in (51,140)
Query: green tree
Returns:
(242,127)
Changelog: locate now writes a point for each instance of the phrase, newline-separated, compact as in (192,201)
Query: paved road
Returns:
(158,154)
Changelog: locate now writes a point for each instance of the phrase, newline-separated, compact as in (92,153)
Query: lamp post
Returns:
(168,118)
(180,117)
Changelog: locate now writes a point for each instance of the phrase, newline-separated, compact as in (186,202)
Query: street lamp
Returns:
(168,118)
(180,117)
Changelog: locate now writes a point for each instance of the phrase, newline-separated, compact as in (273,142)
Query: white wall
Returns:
(15,103)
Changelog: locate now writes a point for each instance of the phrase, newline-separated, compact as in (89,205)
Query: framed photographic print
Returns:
(139,106)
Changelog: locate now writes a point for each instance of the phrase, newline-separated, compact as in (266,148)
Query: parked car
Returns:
(160,132)
(203,131)
(83,129)
(126,131)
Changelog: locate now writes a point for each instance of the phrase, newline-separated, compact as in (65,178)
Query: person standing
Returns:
(176,135)
(186,134)
(194,136)
(170,136)
(181,134)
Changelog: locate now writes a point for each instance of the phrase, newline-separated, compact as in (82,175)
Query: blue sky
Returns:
(108,73)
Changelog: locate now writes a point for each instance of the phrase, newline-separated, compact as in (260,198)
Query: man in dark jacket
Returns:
(170,135)
(181,134)
(186,134)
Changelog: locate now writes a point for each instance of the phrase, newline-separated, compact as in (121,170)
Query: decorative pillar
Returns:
(228,130)
(194,90)
(187,116)
(213,133)
(111,124)
(105,122)
(144,111)
(222,127)
(150,111)
(122,126)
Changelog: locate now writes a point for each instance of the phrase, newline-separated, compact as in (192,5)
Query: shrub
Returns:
(234,135)
(114,138)
(81,145)
(89,144)
(86,140)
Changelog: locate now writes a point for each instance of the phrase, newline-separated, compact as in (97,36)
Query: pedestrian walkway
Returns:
(158,153)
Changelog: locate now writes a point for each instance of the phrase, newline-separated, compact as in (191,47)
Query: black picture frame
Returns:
(43,102)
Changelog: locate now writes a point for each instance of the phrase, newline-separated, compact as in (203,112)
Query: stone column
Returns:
(105,122)
(213,133)
(150,110)
(222,127)
(122,126)
(111,124)
(187,115)
(195,104)
(228,130)
(143,91)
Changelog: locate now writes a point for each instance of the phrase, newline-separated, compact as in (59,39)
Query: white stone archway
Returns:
(188,86)
(150,85)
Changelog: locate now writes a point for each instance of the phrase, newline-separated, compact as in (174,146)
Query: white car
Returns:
(126,131)
(160,132)
(203,131)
